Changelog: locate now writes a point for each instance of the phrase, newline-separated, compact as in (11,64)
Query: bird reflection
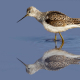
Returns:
(54,59)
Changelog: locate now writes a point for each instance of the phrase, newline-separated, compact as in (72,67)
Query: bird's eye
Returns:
(28,68)
(29,11)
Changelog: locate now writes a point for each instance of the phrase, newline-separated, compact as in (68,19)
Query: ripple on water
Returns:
(70,41)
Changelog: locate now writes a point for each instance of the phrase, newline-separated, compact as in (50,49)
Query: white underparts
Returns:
(59,52)
(54,29)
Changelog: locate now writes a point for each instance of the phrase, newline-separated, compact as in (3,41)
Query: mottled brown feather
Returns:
(76,20)
(59,19)
(59,23)
(56,15)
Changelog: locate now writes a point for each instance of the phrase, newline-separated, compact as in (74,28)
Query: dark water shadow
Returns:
(39,40)
(70,39)
(51,40)
(45,39)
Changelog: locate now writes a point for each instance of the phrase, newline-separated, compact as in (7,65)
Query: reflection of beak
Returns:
(22,62)
(23,18)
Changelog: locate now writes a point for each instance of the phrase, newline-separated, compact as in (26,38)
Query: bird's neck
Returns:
(35,67)
(39,16)
(38,65)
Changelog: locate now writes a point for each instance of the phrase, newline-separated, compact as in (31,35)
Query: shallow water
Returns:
(29,49)
(26,40)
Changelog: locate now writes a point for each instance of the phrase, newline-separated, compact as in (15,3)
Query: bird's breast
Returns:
(56,29)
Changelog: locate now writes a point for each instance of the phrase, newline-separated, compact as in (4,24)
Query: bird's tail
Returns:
(76,20)
(76,61)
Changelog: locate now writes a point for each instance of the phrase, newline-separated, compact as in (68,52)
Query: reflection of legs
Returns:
(55,37)
(61,37)
(61,45)
(55,44)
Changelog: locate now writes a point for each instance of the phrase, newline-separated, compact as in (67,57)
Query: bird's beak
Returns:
(22,62)
(23,18)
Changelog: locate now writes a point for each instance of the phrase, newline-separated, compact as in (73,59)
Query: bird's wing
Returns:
(55,65)
(56,15)
(57,62)
(58,19)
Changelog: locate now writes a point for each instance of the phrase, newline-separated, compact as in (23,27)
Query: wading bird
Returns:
(53,21)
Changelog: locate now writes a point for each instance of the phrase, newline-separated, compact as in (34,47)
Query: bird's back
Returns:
(57,62)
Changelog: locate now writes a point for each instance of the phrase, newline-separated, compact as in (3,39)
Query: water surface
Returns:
(26,40)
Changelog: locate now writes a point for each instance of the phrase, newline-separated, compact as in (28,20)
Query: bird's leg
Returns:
(55,37)
(61,37)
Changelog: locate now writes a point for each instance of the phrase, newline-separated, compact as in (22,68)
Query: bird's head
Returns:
(30,69)
(31,11)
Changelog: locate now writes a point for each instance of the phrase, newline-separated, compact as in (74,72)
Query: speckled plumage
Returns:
(58,19)
(53,21)
(57,62)
(53,60)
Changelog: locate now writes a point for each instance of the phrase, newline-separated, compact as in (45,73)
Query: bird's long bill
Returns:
(22,62)
(22,18)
